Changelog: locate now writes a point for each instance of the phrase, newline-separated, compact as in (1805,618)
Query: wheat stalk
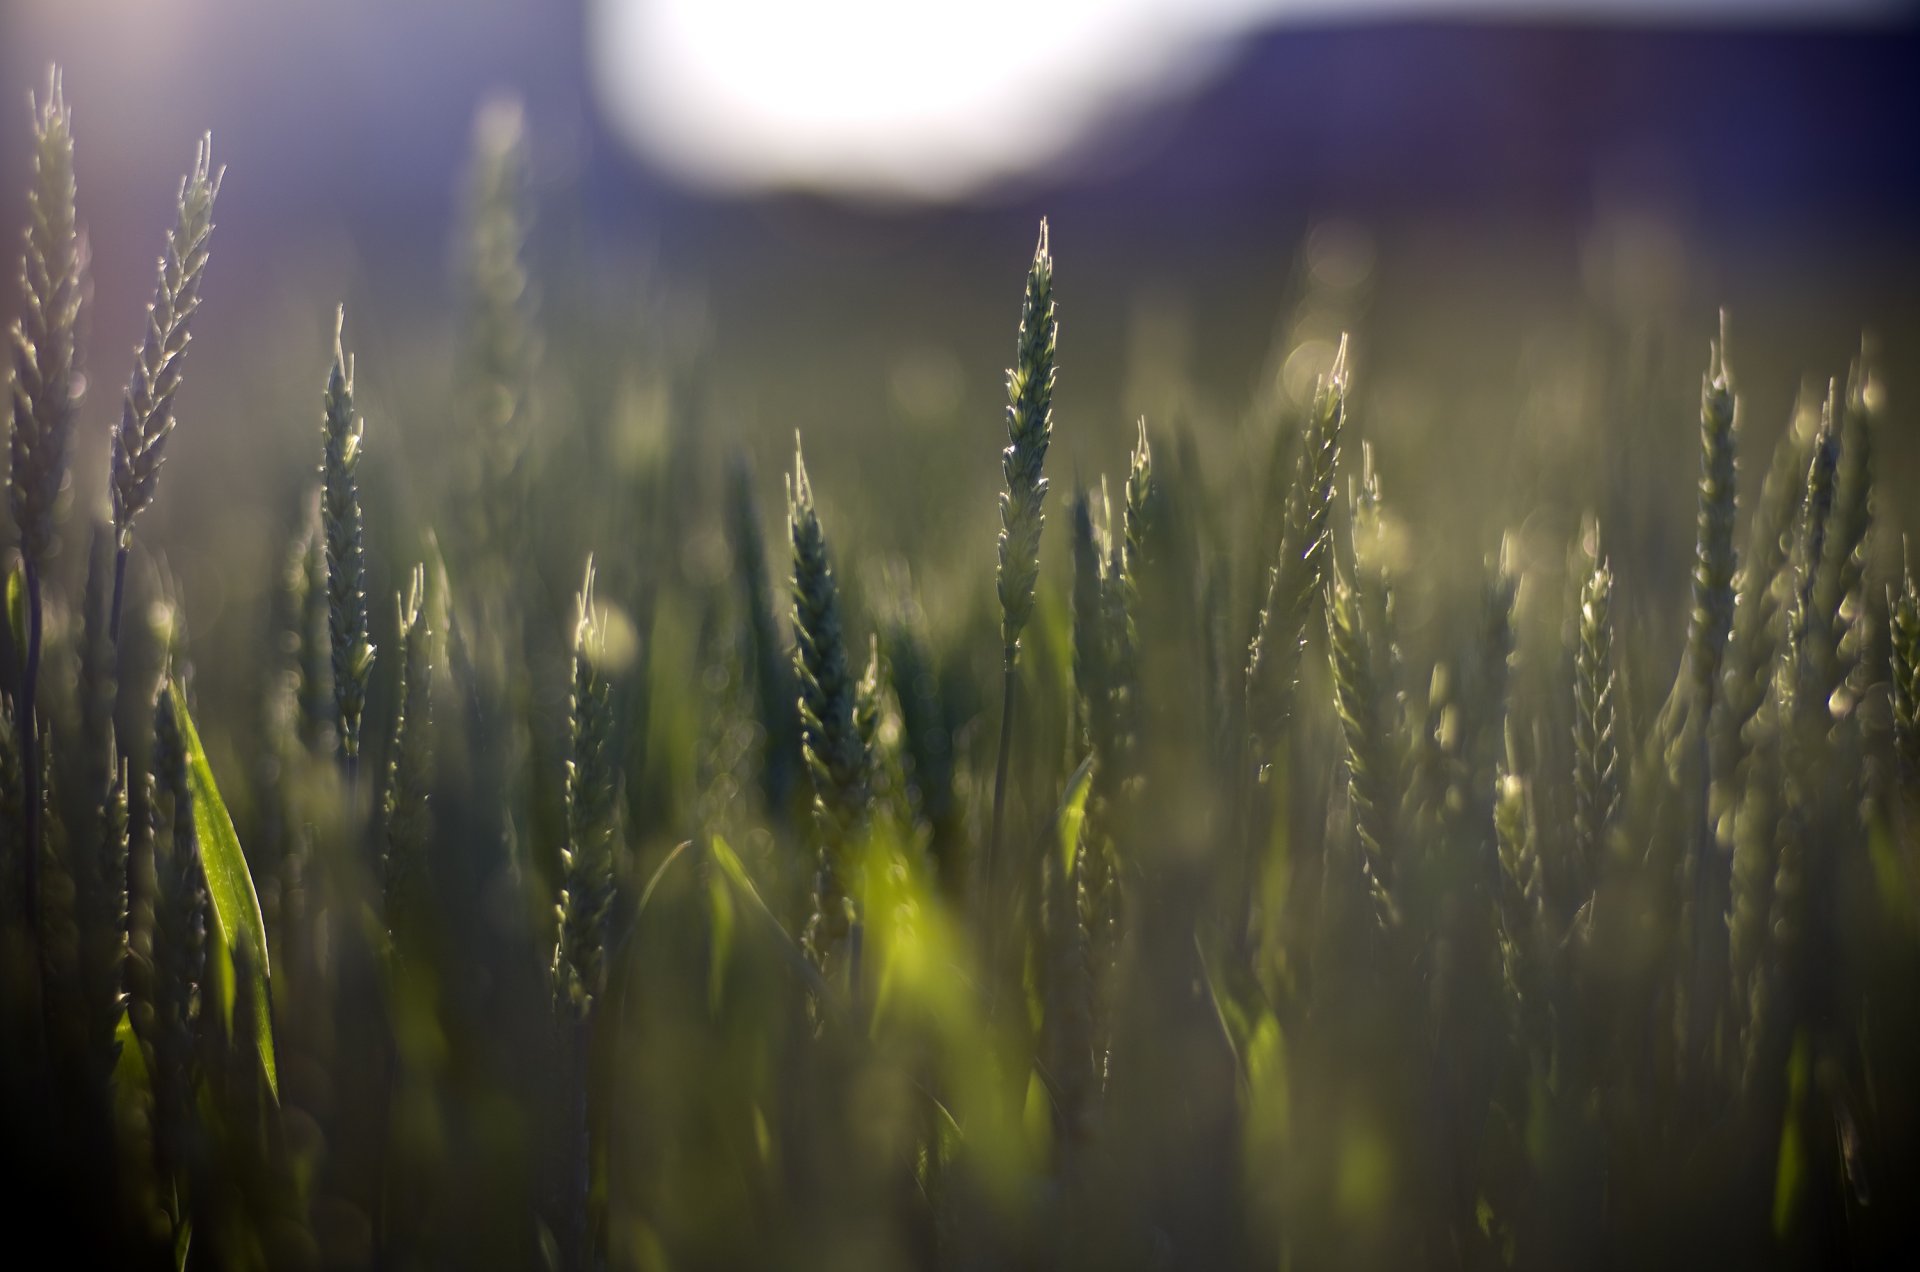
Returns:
(1022,515)
(44,396)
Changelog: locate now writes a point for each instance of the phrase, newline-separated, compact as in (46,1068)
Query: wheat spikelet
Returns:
(169,1021)
(1711,617)
(1362,704)
(43,400)
(352,651)
(409,826)
(586,891)
(1765,581)
(1029,430)
(52,285)
(928,738)
(837,758)
(146,413)
(1067,1021)
(499,350)
(1903,609)
(771,664)
(1299,576)
(1596,746)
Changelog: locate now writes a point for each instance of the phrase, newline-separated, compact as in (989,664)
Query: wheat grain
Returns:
(352,652)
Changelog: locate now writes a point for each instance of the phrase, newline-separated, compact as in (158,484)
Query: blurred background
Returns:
(1527,214)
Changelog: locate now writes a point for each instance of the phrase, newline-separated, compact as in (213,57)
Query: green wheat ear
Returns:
(586,892)
(1713,566)
(1903,610)
(43,398)
(347,632)
(772,668)
(836,755)
(175,975)
(1029,429)
(146,413)
(1596,746)
(499,341)
(410,770)
(52,286)
(1300,575)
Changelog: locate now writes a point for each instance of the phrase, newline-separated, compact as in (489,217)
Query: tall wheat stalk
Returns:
(1022,515)
(44,397)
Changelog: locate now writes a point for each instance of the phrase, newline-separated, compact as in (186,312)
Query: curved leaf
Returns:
(235,905)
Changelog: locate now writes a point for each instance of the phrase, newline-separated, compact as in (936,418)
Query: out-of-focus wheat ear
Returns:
(772,665)
(146,411)
(1487,704)
(1130,554)
(837,759)
(1067,1046)
(1522,908)
(1903,610)
(93,758)
(1092,671)
(45,393)
(1765,581)
(1141,513)
(52,287)
(409,818)
(928,736)
(1098,698)
(103,934)
(1596,745)
(587,865)
(1372,770)
(12,816)
(1022,511)
(178,953)
(1811,639)
(1840,592)
(877,720)
(1299,577)
(347,629)
(1800,705)
(313,649)
(1711,619)
(500,347)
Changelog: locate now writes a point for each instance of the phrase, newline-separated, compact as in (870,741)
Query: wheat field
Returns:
(585,859)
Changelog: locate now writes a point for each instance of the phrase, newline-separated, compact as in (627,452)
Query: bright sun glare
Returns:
(932,99)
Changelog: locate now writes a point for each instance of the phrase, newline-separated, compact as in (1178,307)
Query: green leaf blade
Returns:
(235,907)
